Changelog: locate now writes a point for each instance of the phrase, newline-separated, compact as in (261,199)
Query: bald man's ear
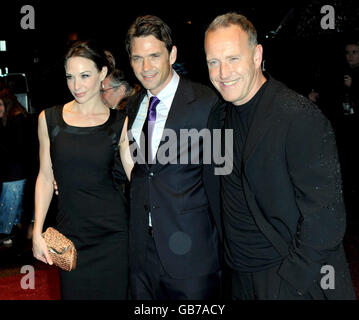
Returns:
(258,55)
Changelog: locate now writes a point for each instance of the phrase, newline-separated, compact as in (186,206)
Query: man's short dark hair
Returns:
(149,26)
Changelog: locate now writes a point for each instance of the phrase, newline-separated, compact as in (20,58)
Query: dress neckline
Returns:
(89,127)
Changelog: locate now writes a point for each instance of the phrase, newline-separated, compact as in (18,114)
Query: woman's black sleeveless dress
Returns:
(91,212)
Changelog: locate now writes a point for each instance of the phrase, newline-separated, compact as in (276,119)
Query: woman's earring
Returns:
(102,86)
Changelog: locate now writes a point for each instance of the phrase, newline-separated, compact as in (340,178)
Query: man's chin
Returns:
(149,87)
(228,98)
(148,83)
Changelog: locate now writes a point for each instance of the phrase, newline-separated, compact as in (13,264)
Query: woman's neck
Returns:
(91,106)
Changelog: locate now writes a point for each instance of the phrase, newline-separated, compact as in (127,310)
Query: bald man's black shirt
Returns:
(246,248)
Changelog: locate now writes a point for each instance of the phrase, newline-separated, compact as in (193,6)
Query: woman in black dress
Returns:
(77,145)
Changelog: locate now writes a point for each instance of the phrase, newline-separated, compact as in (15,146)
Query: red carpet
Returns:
(46,286)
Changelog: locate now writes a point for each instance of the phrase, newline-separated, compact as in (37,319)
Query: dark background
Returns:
(292,55)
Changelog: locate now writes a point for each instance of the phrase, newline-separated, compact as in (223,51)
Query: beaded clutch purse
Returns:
(62,250)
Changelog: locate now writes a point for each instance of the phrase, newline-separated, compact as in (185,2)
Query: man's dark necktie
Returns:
(147,129)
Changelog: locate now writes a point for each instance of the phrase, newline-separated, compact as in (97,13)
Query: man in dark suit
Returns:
(283,211)
(175,225)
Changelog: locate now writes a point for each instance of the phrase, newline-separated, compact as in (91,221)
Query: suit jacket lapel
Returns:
(133,107)
(261,120)
(183,96)
(179,111)
(217,116)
